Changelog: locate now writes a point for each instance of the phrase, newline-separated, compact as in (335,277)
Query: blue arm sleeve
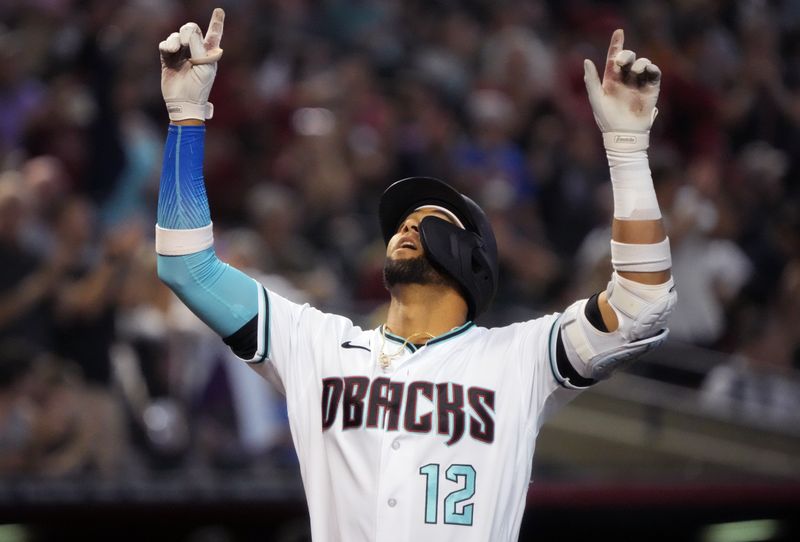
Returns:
(220,295)
(182,200)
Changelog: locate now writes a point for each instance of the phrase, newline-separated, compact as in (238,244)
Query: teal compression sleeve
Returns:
(220,295)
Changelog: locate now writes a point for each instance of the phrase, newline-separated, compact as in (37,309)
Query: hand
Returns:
(188,68)
(624,105)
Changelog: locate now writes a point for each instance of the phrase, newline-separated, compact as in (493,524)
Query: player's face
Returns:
(406,243)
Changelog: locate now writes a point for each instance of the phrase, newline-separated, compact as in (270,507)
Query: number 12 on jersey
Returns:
(464,476)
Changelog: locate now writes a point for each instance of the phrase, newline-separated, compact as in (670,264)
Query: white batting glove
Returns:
(188,68)
(624,105)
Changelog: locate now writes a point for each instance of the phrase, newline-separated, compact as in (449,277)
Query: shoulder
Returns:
(290,318)
(540,325)
(523,337)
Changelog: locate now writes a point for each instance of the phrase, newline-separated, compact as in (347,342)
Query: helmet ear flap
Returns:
(480,264)
(463,256)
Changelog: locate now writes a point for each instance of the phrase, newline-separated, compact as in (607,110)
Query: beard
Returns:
(418,270)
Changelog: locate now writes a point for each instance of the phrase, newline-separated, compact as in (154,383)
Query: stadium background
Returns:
(122,417)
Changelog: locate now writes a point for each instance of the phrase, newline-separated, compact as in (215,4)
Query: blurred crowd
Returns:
(319,105)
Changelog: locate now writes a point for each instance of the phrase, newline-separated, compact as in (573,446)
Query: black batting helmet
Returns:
(468,255)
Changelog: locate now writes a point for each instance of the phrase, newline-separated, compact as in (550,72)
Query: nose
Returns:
(410,224)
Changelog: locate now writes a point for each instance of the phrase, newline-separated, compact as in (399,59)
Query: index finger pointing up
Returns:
(214,33)
(617,40)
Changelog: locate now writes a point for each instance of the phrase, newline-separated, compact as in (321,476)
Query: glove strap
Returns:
(626,141)
(189,110)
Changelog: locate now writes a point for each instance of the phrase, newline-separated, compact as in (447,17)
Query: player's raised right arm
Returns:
(223,297)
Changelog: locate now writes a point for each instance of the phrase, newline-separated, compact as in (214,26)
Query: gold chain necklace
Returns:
(385,360)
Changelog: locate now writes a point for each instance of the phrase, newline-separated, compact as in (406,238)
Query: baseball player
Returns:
(423,428)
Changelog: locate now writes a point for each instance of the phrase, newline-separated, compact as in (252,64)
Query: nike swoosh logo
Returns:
(348,344)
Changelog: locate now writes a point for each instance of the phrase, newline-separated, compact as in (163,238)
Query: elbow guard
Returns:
(642,311)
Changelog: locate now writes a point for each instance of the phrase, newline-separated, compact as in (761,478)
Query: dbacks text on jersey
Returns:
(419,406)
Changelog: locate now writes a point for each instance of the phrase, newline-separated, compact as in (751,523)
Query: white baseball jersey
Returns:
(436,446)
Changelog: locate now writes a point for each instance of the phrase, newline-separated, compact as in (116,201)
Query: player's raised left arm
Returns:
(629,317)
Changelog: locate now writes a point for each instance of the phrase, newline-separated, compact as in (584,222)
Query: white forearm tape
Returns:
(641,258)
(632,184)
(182,242)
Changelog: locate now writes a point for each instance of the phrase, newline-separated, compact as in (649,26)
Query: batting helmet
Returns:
(468,255)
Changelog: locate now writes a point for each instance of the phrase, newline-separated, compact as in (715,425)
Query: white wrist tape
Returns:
(632,184)
(641,258)
(189,110)
(182,242)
